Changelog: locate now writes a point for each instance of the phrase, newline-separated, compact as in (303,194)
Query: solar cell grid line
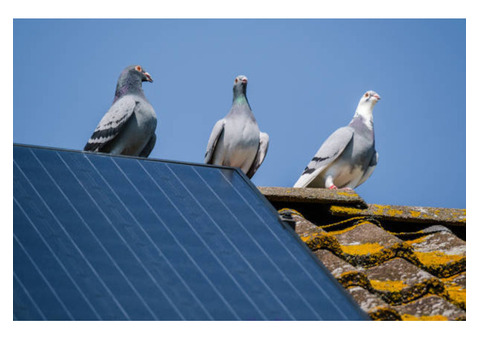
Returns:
(281,273)
(182,281)
(166,309)
(114,262)
(267,287)
(262,262)
(75,246)
(226,251)
(118,234)
(216,240)
(194,230)
(44,279)
(328,280)
(140,263)
(56,258)
(62,227)
(22,289)
(120,184)
(199,237)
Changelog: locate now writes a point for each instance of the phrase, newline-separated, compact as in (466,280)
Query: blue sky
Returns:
(305,80)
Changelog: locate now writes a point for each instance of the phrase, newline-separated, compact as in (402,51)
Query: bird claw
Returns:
(333,186)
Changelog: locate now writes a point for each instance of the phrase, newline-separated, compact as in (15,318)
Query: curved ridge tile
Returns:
(430,308)
(346,274)
(313,236)
(398,281)
(456,287)
(376,308)
(393,276)
(442,254)
(366,244)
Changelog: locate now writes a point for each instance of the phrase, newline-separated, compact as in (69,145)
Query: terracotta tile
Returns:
(442,254)
(373,305)
(430,307)
(456,289)
(407,275)
(365,238)
(398,281)
(334,264)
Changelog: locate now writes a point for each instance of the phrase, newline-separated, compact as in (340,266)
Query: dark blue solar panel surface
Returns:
(117,238)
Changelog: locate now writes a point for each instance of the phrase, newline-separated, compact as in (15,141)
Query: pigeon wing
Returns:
(371,167)
(328,152)
(261,153)
(111,124)
(149,147)
(212,142)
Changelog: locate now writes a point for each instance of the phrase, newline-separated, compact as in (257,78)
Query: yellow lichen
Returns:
(338,232)
(317,241)
(417,240)
(457,294)
(311,237)
(415,213)
(292,211)
(346,210)
(348,194)
(385,210)
(409,317)
(353,278)
(394,212)
(437,258)
(362,249)
(390,286)
(384,313)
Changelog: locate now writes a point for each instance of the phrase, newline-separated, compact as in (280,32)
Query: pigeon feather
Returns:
(128,127)
(348,157)
(236,139)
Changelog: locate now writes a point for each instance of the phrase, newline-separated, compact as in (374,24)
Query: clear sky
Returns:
(305,80)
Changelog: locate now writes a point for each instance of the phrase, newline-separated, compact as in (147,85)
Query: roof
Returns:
(98,237)
(397,262)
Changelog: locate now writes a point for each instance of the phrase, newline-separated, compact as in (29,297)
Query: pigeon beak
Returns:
(244,80)
(376,96)
(149,77)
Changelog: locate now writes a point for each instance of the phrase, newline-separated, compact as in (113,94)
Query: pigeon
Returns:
(236,139)
(128,127)
(348,157)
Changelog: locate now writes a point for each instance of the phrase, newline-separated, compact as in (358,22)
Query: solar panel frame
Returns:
(220,268)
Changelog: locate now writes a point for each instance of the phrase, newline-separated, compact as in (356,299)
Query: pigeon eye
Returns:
(236,80)
(366,95)
(138,68)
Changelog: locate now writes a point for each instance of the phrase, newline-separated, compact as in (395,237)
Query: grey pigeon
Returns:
(348,157)
(236,139)
(128,128)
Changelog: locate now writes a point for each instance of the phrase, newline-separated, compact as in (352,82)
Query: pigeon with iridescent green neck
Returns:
(236,139)
(348,157)
(128,128)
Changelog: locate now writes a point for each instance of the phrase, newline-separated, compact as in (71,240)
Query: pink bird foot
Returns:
(333,186)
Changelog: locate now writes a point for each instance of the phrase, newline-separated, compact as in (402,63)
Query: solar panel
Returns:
(98,237)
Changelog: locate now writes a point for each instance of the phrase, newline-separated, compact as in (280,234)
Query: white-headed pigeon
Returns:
(236,139)
(128,128)
(348,157)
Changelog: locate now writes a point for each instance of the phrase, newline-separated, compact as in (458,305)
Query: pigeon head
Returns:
(370,98)
(240,86)
(130,80)
(368,101)
(136,71)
